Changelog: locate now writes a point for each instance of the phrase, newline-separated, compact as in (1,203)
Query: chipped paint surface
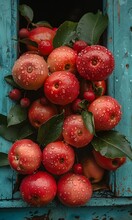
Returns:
(63,213)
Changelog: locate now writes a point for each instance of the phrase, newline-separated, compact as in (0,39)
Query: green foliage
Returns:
(16,115)
(50,130)
(91,26)
(112,144)
(42,24)
(26,12)
(10,81)
(66,34)
(88,121)
(16,131)
(28,42)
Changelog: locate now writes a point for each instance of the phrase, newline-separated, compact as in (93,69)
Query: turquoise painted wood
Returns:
(113,205)
(119,40)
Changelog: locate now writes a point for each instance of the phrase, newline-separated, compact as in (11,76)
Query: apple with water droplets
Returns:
(58,157)
(108,163)
(74,190)
(39,34)
(30,71)
(38,189)
(95,62)
(106,111)
(25,156)
(61,87)
(40,111)
(75,132)
(62,58)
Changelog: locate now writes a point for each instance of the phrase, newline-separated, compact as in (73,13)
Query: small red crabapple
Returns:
(79,45)
(15,94)
(45,47)
(89,96)
(23,33)
(77,168)
(25,102)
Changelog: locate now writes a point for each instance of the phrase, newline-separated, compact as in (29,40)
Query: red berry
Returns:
(89,96)
(79,45)
(23,33)
(25,102)
(45,47)
(15,94)
(77,168)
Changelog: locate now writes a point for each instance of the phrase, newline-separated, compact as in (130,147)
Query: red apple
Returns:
(38,189)
(74,189)
(25,156)
(39,34)
(62,58)
(58,157)
(106,111)
(61,87)
(30,71)
(95,63)
(108,163)
(91,169)
(75,132)
(39,112)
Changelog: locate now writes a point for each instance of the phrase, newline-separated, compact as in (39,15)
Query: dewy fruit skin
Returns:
(95,63)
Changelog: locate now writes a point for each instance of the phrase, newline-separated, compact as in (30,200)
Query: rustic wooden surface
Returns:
(119,41)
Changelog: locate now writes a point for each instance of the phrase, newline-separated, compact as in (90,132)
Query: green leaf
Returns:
(15,132)
(42,24)
(4,159)
(8,133)
(50,130)
(88,121)
(10,81)
(91,26)
(16,115)
(65,34)
(112,144)
(26,12)
(25,131)
(28,42)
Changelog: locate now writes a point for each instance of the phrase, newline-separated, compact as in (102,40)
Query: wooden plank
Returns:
(65,213)
(8,54)
(119,40)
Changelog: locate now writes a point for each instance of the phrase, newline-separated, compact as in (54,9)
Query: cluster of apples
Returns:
(72,80)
